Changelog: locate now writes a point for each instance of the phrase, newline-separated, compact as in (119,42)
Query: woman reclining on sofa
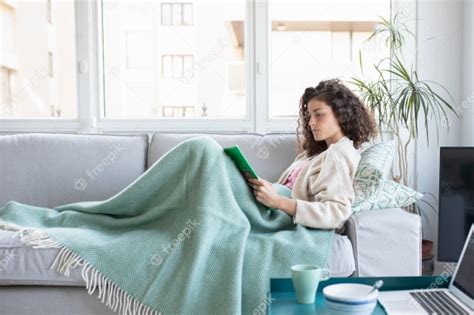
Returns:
(335,124)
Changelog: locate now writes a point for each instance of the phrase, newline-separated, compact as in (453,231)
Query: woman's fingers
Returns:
(260,190)
(258,182)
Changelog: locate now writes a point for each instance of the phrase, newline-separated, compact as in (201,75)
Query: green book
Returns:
(239,159)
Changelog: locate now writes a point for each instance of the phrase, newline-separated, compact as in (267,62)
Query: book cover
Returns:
(240,161)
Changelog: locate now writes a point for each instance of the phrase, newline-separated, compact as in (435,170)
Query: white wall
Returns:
(468,67)
(440,45)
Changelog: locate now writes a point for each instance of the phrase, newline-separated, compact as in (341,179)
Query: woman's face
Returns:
(323,122)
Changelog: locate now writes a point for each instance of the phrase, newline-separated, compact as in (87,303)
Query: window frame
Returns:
(51,67)
(49,11)
(90,85)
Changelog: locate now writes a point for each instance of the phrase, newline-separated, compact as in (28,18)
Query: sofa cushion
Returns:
(269,154)
(390,195)
(341,261)
(43,300)
(48,170)
(374,167)
(21,264)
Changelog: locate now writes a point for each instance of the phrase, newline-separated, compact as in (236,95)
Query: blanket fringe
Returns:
(31,236)
(108,292)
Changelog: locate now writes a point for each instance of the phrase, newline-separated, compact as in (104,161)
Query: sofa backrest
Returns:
(269,154)
(53,169)
(48,170)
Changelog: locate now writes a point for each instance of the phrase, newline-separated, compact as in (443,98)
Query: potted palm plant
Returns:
(399,99)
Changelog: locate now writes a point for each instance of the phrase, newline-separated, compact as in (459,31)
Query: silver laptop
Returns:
(457,299)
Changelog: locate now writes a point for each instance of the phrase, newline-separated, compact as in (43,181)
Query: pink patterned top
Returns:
(293,175)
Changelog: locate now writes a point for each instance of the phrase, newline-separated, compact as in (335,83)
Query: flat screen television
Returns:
(456,200)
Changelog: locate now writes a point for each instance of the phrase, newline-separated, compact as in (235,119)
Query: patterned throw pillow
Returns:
(373,168)
(390,195)
(372,189)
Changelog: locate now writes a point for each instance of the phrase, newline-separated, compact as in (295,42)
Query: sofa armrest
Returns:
(386,242)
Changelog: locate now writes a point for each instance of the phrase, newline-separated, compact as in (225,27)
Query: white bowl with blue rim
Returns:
(350,298)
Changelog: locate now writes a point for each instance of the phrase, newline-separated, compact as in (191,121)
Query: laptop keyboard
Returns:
(438,302)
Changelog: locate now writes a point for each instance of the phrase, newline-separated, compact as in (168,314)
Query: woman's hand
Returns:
(264,192)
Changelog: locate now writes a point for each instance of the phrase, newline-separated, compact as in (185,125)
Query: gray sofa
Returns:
(54,169)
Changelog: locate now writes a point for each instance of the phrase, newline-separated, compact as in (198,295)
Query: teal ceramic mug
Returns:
(306,279)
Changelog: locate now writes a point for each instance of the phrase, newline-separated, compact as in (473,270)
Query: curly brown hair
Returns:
(355,120)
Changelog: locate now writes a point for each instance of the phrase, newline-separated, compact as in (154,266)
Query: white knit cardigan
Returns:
(324,190)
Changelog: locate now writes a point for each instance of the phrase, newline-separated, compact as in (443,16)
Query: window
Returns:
(183,71)
(37,59)
(55,111)
(178,111)
(138,50)
(141,61)
(235,79)
(176,14)
(5,92)
(317,40)
(177,67)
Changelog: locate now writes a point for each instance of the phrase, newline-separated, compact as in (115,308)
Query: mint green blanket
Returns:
(186,237)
